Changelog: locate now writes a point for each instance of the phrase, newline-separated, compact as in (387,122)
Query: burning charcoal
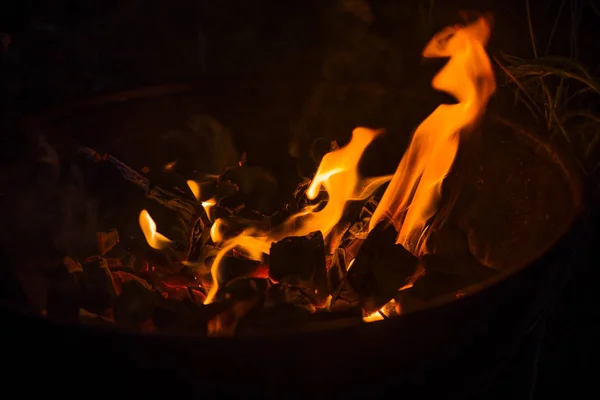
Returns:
(98,287)
(233,268)
(381,267)
(107,240)
(300,262)
(64,292)
(135,304)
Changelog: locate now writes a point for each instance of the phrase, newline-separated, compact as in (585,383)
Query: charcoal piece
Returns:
(64,293)
(300,262)
(135,304)
(232,268)
(121,277)
(287,318)
(241,289)
(98,288)
(198,238)
(381,267)
(283,294)
(106,241)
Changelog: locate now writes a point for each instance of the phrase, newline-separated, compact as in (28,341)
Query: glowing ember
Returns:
(412,197)
(155,239)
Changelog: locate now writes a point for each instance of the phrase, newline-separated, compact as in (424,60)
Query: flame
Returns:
(338,175)
(207,206)
(195,188)
(412,196)
(155,240)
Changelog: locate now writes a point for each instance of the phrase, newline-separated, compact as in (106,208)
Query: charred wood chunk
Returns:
(381,267)
(64,292)
(300,262)
(98,287)
(135,304)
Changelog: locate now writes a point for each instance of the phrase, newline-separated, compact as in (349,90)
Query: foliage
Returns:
(556,90)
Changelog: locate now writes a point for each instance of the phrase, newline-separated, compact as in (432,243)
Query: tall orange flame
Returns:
(412,196)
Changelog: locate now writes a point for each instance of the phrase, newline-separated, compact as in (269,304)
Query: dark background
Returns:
(64,50)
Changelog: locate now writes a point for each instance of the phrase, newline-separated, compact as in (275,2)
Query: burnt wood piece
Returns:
(381,267)
(98,288)
(135,304)
(300,262)
(184,205)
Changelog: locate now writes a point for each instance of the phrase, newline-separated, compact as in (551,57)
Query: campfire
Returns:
(348,249)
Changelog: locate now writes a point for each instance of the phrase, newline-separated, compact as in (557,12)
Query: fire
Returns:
(412,196)
(155,239)
(338,175)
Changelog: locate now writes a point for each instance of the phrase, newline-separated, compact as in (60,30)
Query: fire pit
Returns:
(193,238)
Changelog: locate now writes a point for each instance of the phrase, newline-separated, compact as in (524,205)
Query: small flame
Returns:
(195,188)
(207,206)
(412,196)
(338,175)
(155,240)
